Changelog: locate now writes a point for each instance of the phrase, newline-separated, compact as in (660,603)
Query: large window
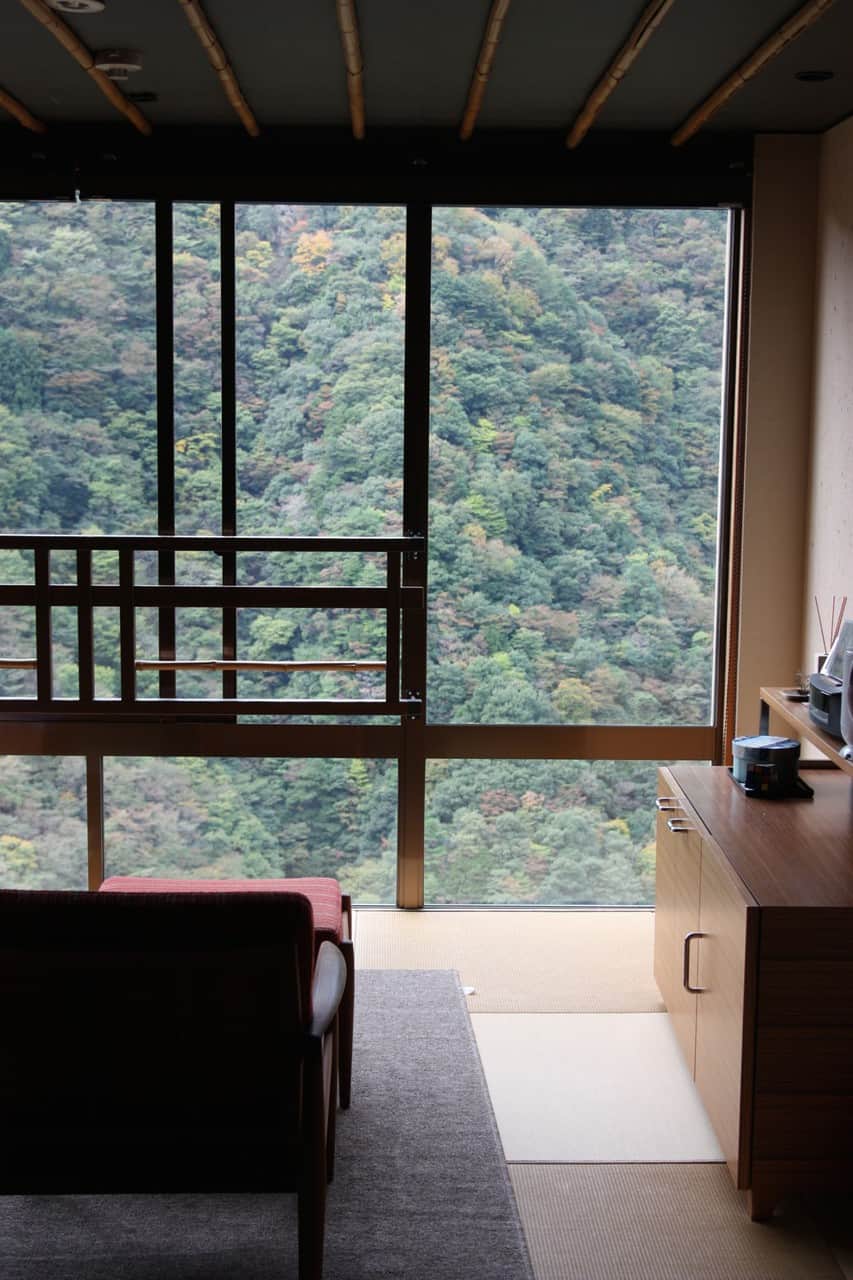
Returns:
(320,307)
(222,818)
(197,368)
(541,832)
(576,386)
(548,587)
(77,368)
(43,823)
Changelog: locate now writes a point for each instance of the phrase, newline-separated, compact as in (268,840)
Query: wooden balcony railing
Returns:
(166,596)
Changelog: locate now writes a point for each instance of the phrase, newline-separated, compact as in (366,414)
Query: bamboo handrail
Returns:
(351,41)
(795,26)
(218,59)
(483,68)
(18,664)
(84,58)
(21,114)
(236,664)
(642,31)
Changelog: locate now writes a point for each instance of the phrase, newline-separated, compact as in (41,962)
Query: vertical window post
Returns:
(228,305)
(412,765)
(164,258)
(95,819)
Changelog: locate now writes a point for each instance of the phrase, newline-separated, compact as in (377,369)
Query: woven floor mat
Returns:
(659,1222)
(523,961)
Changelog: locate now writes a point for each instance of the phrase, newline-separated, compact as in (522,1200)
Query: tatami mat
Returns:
(595,1087)
(523,961)
(658,1222)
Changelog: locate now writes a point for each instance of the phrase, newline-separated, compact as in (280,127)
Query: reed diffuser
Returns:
(839,604)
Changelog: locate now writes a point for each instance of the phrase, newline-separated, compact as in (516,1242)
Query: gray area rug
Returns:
(421,1190)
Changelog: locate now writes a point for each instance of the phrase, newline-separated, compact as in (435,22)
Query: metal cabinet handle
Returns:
(688,938)
(666,804)
(679,825)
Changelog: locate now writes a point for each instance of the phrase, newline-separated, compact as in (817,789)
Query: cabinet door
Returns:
(725,1016)
(676,915)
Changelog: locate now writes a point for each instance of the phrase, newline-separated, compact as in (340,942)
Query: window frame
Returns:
(413,740)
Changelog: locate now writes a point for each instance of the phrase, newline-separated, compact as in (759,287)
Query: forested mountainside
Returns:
(576,358)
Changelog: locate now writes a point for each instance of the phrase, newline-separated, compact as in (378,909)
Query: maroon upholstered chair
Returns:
(332,923)
(169,1042)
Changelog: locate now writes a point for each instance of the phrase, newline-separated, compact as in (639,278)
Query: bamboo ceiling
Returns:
(619,66)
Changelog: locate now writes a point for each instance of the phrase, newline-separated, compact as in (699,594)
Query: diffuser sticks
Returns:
(836,619)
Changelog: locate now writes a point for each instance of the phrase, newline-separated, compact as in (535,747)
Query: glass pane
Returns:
(312,635)
(311,569)
(320,310)
(223,818)
(575,441)
(66,670)
(540,832)
(18,645)
(198,369)
(106,629)
(77,367)
(43,841)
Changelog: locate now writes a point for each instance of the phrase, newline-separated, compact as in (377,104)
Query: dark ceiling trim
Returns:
(395,167)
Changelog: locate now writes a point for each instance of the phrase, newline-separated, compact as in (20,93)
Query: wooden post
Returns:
(95,819)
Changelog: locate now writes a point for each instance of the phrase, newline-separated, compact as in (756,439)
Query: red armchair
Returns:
(332,923)
(169,1042)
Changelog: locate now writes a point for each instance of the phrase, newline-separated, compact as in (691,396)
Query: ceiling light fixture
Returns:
(813,77)
(77,6)
(118,64)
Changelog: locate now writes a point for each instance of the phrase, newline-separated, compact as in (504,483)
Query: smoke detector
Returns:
(118,64)
(77,6)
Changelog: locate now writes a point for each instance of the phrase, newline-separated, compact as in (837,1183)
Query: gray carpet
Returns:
(421,1190)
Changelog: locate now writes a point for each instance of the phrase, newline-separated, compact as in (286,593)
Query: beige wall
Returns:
(829,542)
(778,416)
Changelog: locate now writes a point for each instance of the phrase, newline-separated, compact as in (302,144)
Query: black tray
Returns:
(800,791)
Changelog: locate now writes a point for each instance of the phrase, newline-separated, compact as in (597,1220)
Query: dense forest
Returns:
(575,421)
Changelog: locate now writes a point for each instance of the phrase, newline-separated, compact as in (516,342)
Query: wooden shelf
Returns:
(796,714)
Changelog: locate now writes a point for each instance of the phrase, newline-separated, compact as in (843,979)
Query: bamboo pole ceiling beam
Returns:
(642,31)
(483,69)
(83,57)
(218,59)
(21,114)
(773,45)
(351,41)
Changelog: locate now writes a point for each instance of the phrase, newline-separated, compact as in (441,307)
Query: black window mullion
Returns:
(164,255)
(228,306)
(730,503)
(416,433)
(412,765)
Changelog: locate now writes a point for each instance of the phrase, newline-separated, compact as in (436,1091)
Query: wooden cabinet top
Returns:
(788,853)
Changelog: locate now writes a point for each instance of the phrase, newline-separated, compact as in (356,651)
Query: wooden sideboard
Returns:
(754,959)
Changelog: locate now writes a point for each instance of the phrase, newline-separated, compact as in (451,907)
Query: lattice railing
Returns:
(127,596)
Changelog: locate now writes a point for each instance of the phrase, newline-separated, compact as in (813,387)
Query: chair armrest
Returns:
(330,975)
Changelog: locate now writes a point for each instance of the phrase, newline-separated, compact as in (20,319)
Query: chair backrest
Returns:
(151,1038)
